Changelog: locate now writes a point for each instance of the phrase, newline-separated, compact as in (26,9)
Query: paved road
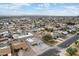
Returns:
(55,51)
(69,41)
(50,52)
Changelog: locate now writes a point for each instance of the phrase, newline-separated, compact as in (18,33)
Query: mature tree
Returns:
(47,37)
(77,43)
(49,29)
(71,51)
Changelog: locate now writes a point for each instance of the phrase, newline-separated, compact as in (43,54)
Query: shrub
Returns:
(71,51)
(47,37)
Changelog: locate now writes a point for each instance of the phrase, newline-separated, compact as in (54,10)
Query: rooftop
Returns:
(3,45)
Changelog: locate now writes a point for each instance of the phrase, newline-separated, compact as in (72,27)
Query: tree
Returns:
(49,29)
(77,43)
(71,51)
(70,23)
(47,37)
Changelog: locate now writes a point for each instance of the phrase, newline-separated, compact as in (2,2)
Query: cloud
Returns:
(50,12)
(21,4)
(39,9)
(71,7)
(44,5)
(12,9)
(13,6)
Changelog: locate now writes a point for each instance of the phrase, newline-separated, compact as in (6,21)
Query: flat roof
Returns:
(22,36)
(3,45)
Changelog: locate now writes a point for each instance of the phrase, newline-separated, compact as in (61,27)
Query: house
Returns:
(5,50)
(71,26)
(57,35)
(65,32)
(31,41)
(72,29)
(19,44)
(3,39)
(17,36)
(5,34)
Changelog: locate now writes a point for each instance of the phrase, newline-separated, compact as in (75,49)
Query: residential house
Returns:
(5,50)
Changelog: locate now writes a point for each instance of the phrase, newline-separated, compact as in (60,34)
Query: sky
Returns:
(55,9)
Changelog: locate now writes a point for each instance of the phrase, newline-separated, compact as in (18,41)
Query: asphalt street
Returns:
(69,41)
(50,52)
(65,44)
